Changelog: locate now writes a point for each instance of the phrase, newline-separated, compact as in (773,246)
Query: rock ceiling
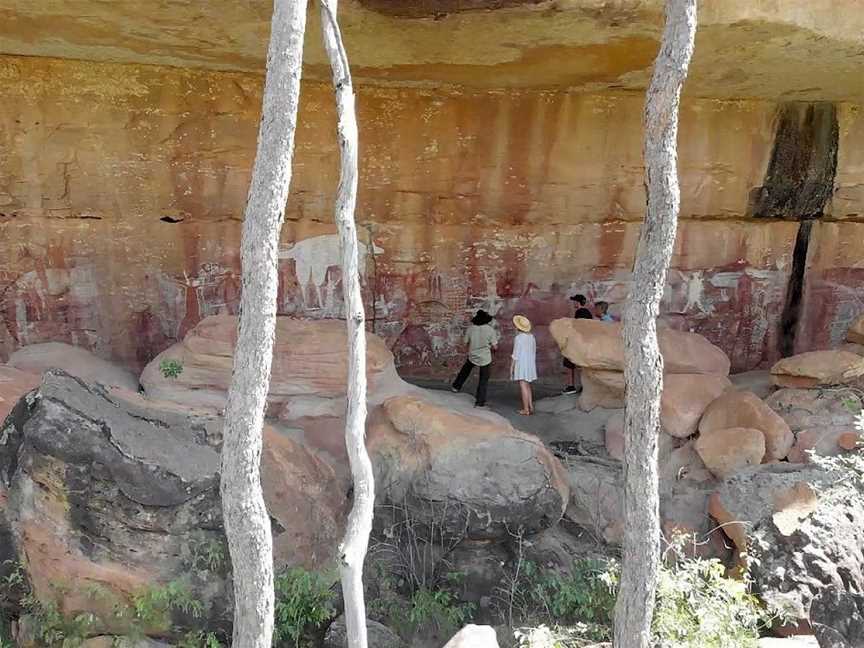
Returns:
(771,49)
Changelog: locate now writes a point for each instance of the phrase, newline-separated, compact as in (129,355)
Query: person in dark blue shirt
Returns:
(581,313)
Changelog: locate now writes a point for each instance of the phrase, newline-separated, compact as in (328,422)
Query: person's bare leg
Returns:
(526,405)
(530,397)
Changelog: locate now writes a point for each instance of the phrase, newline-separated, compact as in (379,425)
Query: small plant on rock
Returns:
(171,368)
(207,554)
(304,603)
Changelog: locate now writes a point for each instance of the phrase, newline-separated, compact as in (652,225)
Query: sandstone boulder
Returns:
(377,634)
(684,512)
(474,477)
(309,360)
(78,362)
(856,331)
(804,409)
(815,368)
(669,458)
(822,420)
(685,398)
(740,409)
(601,389)
(14,383)
(726,451)
(474,636)
(597,497)
(599,345)
(108,490)
(809,544)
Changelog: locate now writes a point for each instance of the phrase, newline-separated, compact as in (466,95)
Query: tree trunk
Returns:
(356,540)
(643,364)
(247,525)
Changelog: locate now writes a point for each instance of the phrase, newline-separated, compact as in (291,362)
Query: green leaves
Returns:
(304,602)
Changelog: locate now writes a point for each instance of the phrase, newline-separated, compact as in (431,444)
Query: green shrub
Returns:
(697,606)
(171,368)
(207,554)
(53,629)
(304,602)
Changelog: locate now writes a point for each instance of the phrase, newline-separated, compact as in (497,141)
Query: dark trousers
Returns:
(465,371)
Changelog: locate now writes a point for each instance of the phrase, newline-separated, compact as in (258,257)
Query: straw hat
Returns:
(522,323)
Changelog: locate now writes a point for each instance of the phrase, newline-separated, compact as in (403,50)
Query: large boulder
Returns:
(741,409)
(601,389)
(474,477)
(14,383)
(474,636)
(823,420)
(726,451)
(815,368)
(108,491)
(377,635)
(685,398)
(597,497)
(599,345)
(309,360)
(808,541)
(78,362)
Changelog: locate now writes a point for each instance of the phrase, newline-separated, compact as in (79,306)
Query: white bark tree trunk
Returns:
(643,364)
(247,524)
(356,540)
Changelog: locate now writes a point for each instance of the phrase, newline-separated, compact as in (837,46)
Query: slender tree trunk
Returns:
(356,541)
(247,525)
(643,364)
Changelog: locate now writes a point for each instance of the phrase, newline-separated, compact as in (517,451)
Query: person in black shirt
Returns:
(581,313)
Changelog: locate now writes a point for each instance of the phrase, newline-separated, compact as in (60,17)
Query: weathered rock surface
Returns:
(378,635)
(478,477)
(855,334)
(740,409)
(809,543)
(685,398)
(474,636)
(596,497)
(601,389)
(726,451)
(78,362)
(757,381)
(822,420)
(109,490)
(14,383)
(816,368)
(599,345)
(309,360)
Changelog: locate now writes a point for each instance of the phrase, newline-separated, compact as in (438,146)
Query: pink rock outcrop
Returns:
(816,368)
(599,345)
(741,409)
(309,360)
(725,451)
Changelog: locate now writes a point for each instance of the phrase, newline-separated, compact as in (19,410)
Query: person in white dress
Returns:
(523,364)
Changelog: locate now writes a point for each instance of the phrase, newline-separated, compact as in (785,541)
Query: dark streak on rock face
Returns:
(798,185)
(440,8)
(800,177)
(794,291)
